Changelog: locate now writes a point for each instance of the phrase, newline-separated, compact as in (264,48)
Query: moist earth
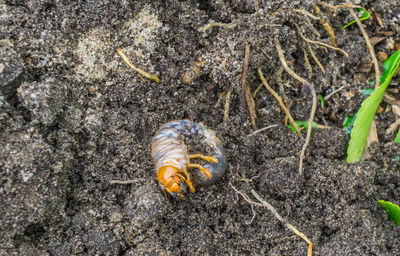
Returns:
(74,117)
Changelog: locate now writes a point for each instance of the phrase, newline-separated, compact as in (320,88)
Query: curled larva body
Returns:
(171,158)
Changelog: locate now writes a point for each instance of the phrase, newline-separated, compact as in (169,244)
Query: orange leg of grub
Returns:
(206,158)
(187,180)
(204,170)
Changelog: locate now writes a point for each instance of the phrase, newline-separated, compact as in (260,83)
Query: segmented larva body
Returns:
(171,158)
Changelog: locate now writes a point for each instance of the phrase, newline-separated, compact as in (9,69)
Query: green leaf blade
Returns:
(397,139)
(302,124)
(321,99)
(367,111)
(393,211)
(365,15)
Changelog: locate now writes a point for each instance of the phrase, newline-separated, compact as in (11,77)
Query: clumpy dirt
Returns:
(74,117)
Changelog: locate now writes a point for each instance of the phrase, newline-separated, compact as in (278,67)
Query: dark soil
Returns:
(74,116)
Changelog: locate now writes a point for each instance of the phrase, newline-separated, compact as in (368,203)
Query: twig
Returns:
(315,58)
(369,46)
(256,90)
(327,27)
(393,127)
(219,99)
(292,122)
(308,65)
(244,87)
(287,224)
(254,215)
(257,6)
(303,150)
(216,24)
(314,102)
(311,51)
(278,76)
(312,28)
(333,7)
(122,182)
(320,43)
(330,31)
(348,5)
(306,13)
(262,129)
(286,67)
(333,93)
(227,104)
(388,98)
(245,197)
(275,213)
(321,126)
(253,105)
(246,179)
(140,71)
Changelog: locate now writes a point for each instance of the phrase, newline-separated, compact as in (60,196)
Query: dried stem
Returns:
(330,31)
(333,7)
(287,68)
(310,120)
(311,52)
(369,46)
(227,104)
(306,13)
(320,43)
(264,203)
(257,90)
(262,129)
(314,102)
(122,182)
(216,24)
(244,87)
(333,93)
(308,65)
(140,71)
(287,224)
(348,5)
(292,122)
(315,58)
(219,99)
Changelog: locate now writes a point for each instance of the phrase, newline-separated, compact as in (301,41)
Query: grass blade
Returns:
(365,15)
(367,111)
(393,211)
(397,139)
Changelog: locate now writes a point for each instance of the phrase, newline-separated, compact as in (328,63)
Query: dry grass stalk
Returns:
(139,70)
(330,31)
(264,203)
(369,45)
(262,129)
(245,90)
(278,98)
(227,104)
(308,65)
(216,24)
(314,101)
(316,59)
(320,43)
(122,182)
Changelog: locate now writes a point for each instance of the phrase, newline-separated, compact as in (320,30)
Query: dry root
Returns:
(264,203)
(245,89)
(139,70)
(292,122)
(314,102)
